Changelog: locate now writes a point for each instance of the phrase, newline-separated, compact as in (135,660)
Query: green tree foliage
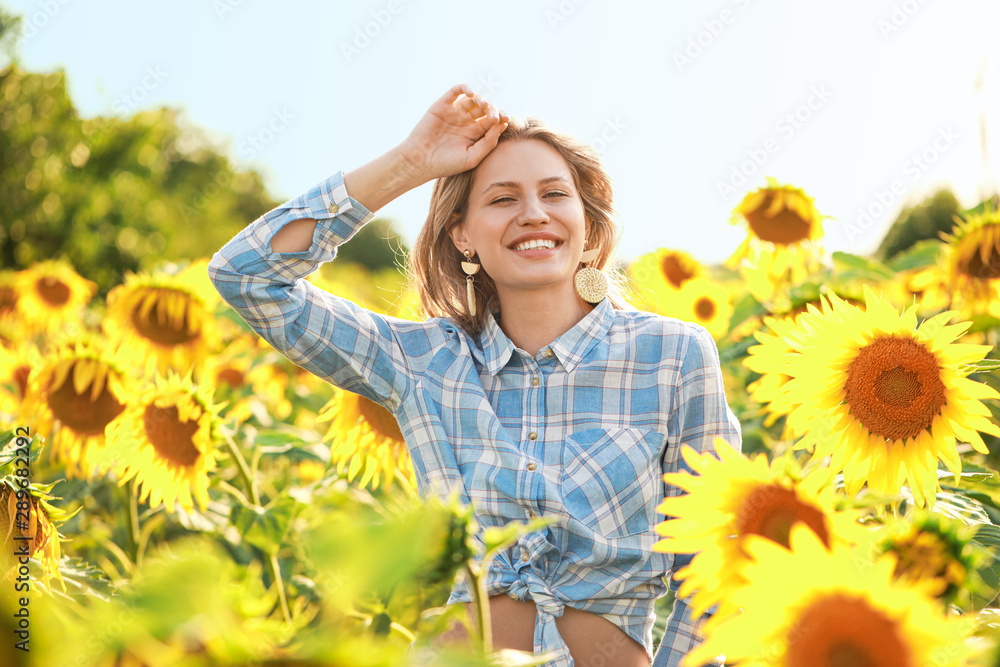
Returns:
(926,220)
(122,194)
(376,247)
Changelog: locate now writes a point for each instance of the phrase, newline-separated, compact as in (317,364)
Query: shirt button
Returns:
(524,556)
(532,515)
(548,353)
(532,436)
(534,382)
(334,208)
(513,596)
(532,466)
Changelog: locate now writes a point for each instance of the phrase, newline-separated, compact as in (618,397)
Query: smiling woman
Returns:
(524,395)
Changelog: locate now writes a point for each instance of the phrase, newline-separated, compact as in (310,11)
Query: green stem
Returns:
(244,470)
(132,522)
(272,560)
(275,569)
(477,583)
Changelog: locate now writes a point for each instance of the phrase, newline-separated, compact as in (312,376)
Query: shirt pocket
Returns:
(610,479)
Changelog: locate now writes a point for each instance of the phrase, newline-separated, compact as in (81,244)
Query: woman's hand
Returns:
(455,134)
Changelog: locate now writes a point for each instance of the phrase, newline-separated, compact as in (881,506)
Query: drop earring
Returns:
(470,294)
(591,284)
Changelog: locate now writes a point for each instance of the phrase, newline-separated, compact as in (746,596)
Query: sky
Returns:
(868,105)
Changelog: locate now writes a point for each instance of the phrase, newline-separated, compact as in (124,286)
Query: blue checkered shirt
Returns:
(581,431)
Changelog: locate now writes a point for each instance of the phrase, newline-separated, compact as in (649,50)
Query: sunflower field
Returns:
(173,491)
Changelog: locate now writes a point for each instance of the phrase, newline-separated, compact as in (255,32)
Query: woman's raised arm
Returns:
(455,134)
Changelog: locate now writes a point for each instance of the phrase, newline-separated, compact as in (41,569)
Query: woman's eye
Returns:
(556,192)
(500,199)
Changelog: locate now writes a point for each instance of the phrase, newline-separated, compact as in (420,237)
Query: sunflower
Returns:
(811,606)
(884,398)
(50,294)
(363,434)
(731,498)
(659,276)
(228,371)
(15,369)
(783,244)
(8,293)
(707,303)
(971,261)
(164,321)
(38,536)
(166,441)
(934,551)
(80,388)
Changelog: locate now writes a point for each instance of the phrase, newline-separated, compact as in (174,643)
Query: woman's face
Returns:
(522,192)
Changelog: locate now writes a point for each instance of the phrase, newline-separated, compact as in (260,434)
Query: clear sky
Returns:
(866,104)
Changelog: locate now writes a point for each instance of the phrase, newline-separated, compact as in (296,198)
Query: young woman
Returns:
(527,390)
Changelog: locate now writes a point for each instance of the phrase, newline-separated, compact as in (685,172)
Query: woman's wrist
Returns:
(385,178)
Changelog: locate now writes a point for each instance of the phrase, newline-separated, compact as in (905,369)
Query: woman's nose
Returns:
(533,212)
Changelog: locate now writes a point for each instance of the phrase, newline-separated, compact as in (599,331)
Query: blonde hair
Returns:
(434,269)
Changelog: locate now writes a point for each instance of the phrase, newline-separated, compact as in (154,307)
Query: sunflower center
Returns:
(157,327)
(674,270)
(380,419)
(230,376)
(704,308)
(78,412)
(8,299)
(20,376)
(925,556)
(842,631)
(975,267)
(172,438)
(894,387)
(52,290)
(784,228)
(770,510)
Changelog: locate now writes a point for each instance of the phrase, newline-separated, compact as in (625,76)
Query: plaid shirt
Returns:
(582,431)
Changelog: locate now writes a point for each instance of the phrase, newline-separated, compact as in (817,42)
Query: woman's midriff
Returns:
(586,634)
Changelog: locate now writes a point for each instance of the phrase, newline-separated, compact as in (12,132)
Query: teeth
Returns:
(536,244)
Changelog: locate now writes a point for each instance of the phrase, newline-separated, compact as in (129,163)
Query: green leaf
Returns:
(14,442)
(265,527)
(744,309)
(920,255)
(984,366)
(855,267)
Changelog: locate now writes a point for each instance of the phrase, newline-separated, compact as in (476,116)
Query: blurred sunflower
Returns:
(40,529)
(971,262)
(166,441)
(885,399)
(8,293)
(50,294)
(784,238)
(228,371)
(164,321)
(707,303)
(15,368)
(934,551)
(730,498)
(79,389)
(659,275)
(811,606)
(364,435)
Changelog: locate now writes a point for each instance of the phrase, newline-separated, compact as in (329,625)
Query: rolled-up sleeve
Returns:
(700,413)
(330,336)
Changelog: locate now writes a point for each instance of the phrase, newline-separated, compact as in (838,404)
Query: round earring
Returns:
(591,284)
(470,294)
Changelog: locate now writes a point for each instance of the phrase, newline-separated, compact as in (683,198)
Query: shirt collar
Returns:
(570,348)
